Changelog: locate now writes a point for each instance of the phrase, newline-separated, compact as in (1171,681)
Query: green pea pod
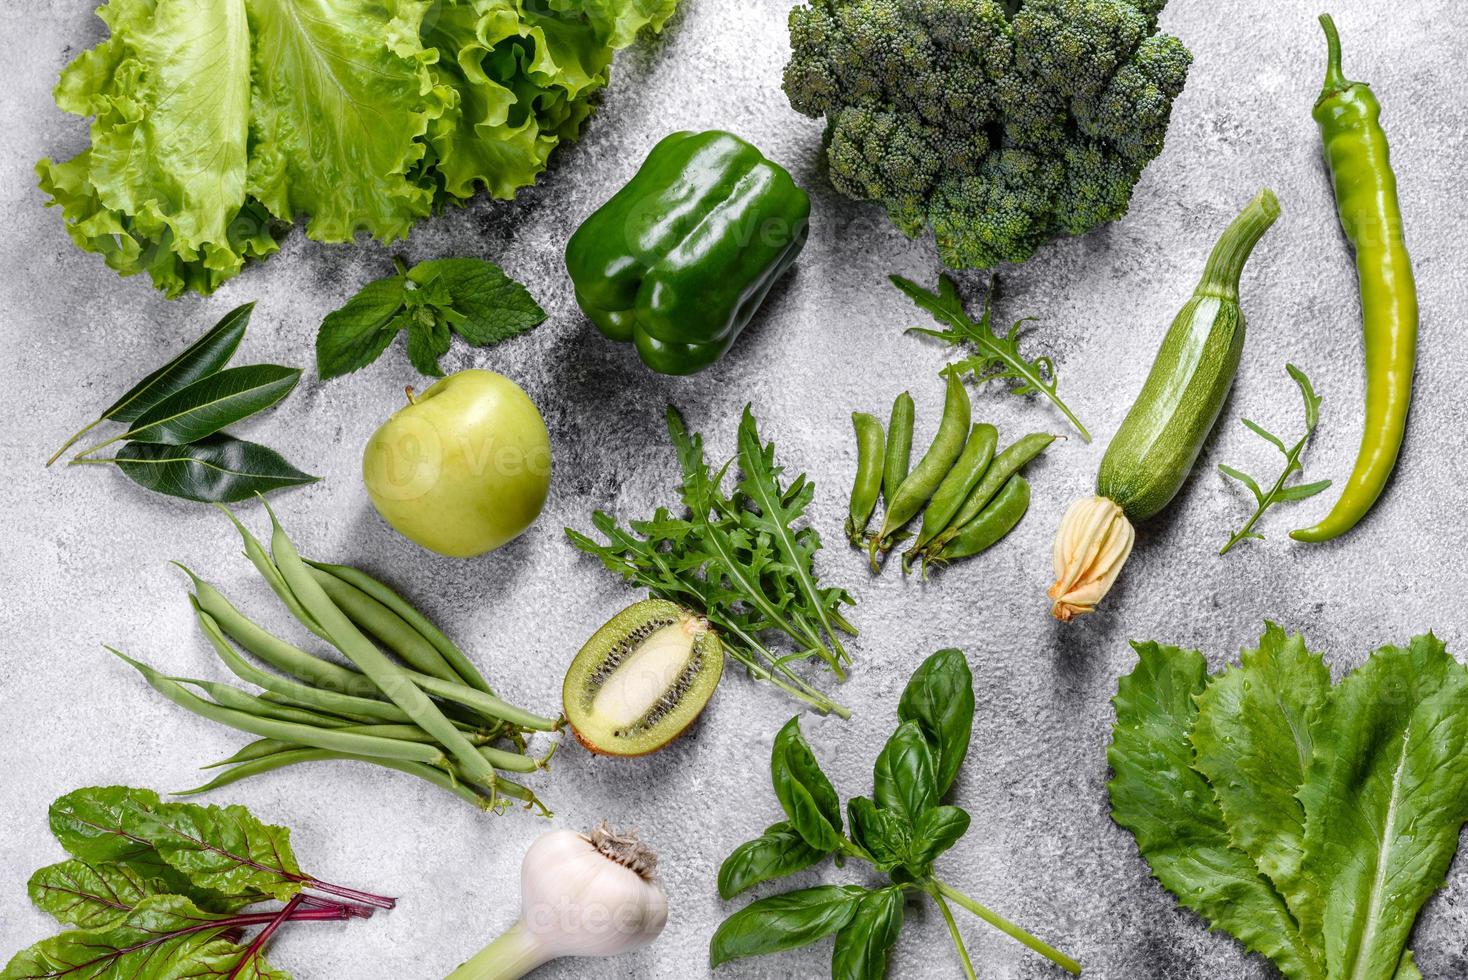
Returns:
(930,470)
(870,450)
(899,447)
(993,523)
(1005,465)
(972,463)
(1371,216)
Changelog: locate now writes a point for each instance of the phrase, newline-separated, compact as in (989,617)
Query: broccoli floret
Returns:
(998,124)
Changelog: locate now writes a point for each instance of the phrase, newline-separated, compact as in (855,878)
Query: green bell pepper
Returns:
(679,260)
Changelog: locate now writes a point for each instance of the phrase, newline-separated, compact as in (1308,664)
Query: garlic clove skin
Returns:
(1093,543)
(591,895)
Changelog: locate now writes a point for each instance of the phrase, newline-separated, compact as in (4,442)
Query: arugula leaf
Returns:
(162,936)
(997,357)
(806,794)
(1169,807)
(1254,742)
(861,946)
(778,852)
(940,698)
(903,780)
(1279,492)
(725,559)
(211,403)
(783,922)
(1385,801)
(431,301)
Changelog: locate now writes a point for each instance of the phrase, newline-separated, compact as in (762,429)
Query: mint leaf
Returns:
(356,335)
(428,340)
(494,306)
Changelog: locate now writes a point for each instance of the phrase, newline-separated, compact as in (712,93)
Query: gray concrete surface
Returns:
(85,552)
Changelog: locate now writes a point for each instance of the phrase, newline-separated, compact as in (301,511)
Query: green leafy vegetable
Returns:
(900,832)
(1279,493)
(994,357)
(738,559)
(470,297)
(216,123)
(1311,822)
(159,890)
(175,415)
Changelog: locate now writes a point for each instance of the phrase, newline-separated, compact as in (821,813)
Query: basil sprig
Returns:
(901,830)
(175,417)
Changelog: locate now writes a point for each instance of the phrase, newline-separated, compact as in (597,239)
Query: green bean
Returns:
(377,590)
(321,738)
(972,463)
(345,705)
(474,726)
(391,629)
(293,757)
(238,700)
(391,679)
(268,571)
(484,704)
(899,447)
(930,470)
(276,652)
(499,758)
(1005,465)
(870,456)
(992,524)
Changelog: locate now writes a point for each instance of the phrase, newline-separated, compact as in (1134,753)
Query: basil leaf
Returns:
(783,922)
(494,306)
(218,467)
(209,404)
(935,832)
(354,336)
(903,779)
(884,834)
(940,698)
(778,852)
(809,799)
(861,947)
(200,359)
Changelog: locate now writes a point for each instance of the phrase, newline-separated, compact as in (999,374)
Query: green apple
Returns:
(462,468)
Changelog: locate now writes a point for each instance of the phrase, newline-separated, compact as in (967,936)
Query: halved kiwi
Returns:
(642,679)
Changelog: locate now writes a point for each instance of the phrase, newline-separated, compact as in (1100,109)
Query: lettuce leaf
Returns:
(217,123)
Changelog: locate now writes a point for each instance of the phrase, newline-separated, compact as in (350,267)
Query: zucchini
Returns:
(1160,438)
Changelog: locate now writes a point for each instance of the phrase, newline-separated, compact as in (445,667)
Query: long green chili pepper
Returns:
(996,520)
(1006,464)
(870,459)
(930,470)
(1366,198)
(966,473)
(899,446)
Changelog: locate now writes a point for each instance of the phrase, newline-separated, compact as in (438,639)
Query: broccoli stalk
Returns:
(999,125)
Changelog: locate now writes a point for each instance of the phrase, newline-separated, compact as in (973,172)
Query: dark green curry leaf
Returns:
(216,468)
(783,922)
(861,946)
(940,698)
(211,403)
(778,852)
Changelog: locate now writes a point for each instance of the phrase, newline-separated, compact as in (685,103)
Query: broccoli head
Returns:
(998,124)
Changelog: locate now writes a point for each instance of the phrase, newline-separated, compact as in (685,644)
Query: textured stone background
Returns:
(85,552)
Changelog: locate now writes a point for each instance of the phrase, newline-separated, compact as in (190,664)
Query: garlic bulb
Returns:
(580,895)
(1094,542)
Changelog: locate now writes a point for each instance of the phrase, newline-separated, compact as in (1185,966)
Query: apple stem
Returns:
(412,395)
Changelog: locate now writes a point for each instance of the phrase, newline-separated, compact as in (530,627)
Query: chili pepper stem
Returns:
(968,965)
(1335,81)
(1008,928)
